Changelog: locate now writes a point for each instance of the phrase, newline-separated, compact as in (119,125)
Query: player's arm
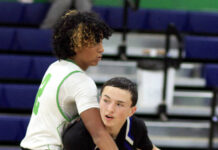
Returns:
(155,148)
(87,106)
(93,123)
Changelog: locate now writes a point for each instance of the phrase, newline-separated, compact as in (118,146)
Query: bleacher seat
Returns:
(201,47)
(158,20)
(102,12)
(34,13)
(14,67)
(23,13)
(39,66)
(137,19)
(11,12)
(6,38)
(1,93)
(203,22)
(210,72)
(115,17)
(38,40)
(12,128)
(24,67)
(18,96)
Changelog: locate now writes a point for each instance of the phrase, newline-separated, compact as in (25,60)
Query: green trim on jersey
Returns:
(48,147)
(57,99)
(58,128)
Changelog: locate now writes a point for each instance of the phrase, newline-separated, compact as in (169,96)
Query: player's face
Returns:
(89,56)
(115,106)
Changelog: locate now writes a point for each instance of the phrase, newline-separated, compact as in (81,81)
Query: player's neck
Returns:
(80,63)
(114,131)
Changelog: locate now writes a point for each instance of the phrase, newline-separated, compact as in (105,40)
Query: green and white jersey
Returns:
(64,93)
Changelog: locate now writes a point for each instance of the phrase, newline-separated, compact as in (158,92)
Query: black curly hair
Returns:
(78,29)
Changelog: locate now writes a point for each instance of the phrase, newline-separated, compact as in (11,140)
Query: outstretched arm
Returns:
(155,148)
(92,120)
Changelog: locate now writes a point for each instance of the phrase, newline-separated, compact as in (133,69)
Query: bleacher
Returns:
(26,52)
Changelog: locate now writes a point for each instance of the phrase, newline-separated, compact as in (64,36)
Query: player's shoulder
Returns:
(140,134)
(84,80)
(138,125)
(64,67)
(80,78)
(137,121)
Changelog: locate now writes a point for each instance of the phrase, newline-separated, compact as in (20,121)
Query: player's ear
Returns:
(132,110)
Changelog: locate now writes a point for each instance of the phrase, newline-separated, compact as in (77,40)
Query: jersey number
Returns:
(39,93)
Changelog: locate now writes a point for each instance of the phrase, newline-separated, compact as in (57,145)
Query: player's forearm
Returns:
(155,148)
(104,141)
(92,121)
